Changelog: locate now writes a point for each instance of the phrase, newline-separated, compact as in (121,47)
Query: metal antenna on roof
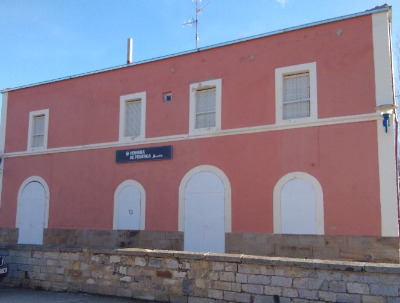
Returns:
(196,19)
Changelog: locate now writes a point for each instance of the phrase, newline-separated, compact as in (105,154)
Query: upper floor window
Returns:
(38,129)
(132,117)
(205,106)
(296,93)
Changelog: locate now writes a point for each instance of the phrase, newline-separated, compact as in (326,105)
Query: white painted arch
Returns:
(227,195)
(31,222)
(142,192)
(47,191)
(319,202)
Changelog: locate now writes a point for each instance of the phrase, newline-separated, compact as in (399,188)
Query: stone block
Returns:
(248,269)
(273,290)
(326,252)
(222,285)
(294,251)
(217,266)
(213,275)
(126,279)
(184,265)
(237,287)
(290,292)
(230,296)
(215,294)
(139,261)
(374,299)
(327,296)
(172,264)
(241,278)
(227,276)
(253,289)
(385,290)
(264,299)
(257,279)
(155,262)
(115,259)
(358,288)
(281,281)
(231,267)
(348,298)
(308,294)
(337,286)
(307,283)
(242,297)
(179,274)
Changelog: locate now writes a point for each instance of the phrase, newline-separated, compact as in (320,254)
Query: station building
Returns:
(282,144)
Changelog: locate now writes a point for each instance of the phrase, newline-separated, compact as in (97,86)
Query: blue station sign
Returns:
(144,154)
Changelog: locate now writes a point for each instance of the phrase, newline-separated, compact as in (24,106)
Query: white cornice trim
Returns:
(228,132)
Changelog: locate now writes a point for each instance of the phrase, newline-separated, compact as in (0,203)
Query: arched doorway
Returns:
(298,214)
(205,209)
(298,205)
(129,206)
(32,212)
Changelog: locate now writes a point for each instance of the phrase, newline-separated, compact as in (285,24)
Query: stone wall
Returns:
(8,235)
(350,248)
(172,240)
(182,277)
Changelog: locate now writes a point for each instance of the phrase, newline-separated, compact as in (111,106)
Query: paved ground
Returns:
(22,295)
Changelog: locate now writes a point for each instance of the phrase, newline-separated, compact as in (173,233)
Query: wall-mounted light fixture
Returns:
(388,114)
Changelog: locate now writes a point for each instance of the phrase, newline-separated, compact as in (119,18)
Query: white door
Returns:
(32,208)
(298,208)
(204,229)
(129,208)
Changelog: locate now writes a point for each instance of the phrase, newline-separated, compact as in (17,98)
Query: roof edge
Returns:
(375,10)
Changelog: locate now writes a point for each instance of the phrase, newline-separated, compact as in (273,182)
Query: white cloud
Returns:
(281,2)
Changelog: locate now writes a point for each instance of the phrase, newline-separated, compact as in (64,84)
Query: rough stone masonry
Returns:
(184,277)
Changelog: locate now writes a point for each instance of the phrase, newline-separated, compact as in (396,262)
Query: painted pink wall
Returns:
(83,183)
(85,110)
(247,84)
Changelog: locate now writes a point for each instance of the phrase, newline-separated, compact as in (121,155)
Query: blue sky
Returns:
(43,40)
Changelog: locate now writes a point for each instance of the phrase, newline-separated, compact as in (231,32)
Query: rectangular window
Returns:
(205,107)
(38,129)
(296,93)
(296,96)
(132,117)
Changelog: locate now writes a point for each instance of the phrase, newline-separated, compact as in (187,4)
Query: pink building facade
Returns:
(273,145)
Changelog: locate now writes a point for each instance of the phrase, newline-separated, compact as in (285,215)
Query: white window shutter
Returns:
(205,108)
(38,131)
(133,112)
(296,96)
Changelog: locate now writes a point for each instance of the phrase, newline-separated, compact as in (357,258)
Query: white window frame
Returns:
(194,88)
(32,116)
(280,73)
(122,116)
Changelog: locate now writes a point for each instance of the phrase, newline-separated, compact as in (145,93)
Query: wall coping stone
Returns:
(387,268)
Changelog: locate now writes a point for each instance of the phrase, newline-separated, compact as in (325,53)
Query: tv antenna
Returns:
(195,20)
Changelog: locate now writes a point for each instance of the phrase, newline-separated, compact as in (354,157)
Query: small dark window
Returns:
(167,97)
